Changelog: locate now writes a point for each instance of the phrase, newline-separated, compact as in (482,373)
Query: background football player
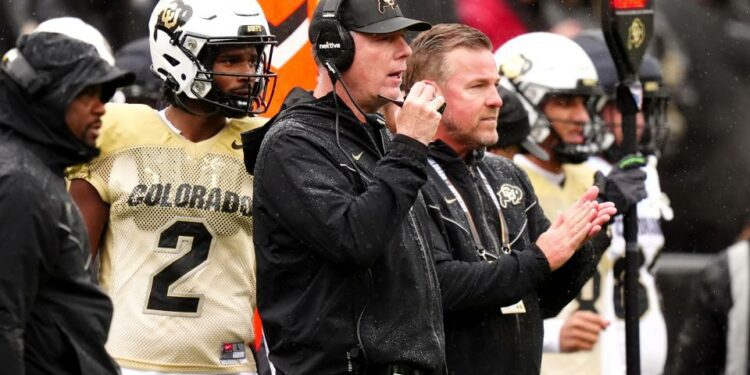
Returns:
(168,201)
(605,296)
(557,82)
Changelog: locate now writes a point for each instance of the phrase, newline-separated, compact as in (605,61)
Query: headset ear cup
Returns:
(346,58)
(336,44)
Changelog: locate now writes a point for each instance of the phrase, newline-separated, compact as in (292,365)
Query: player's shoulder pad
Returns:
(582,173)
(124,125)
(241,125)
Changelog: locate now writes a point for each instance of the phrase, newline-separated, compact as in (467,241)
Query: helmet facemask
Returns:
(656,132)
(185,37)
(260,86)
(593,130)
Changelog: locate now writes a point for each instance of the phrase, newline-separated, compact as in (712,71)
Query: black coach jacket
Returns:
(480,338)
(346,279)
(53,318)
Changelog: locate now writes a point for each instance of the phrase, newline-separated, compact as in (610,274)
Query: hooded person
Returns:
(53,319)
(136,57)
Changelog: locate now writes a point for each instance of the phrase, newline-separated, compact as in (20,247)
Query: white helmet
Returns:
(538,65)
(181,36)
(77,29)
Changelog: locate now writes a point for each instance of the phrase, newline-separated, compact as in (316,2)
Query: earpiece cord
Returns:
(349,94)
(334,78)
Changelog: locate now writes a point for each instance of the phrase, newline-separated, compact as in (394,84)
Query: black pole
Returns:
(629,108)
(628,27)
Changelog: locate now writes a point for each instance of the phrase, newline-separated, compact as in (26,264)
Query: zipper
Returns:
(482,207)
(431,272)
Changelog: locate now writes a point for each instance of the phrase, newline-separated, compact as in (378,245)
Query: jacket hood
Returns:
(34,97)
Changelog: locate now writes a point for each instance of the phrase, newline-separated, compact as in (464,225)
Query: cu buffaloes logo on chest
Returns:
(174,15)
(509,194)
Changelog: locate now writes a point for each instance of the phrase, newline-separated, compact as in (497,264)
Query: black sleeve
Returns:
(23,234)
(564,283)
(701,343)
(471,285)
(313,196)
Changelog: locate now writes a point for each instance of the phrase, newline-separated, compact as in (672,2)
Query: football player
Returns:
(168,201)
(557,81)
(606,294)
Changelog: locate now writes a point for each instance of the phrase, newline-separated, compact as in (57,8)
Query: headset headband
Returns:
(331,9)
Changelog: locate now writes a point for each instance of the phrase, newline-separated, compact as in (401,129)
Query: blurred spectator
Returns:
(432,11)
(119,20)
(7,31)
(714,153)
(714,336)
(136,57)
(502,20)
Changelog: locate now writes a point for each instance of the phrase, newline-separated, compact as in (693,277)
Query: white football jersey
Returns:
(177,257)
(604,294)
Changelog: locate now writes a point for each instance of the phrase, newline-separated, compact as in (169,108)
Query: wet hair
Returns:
(429,48)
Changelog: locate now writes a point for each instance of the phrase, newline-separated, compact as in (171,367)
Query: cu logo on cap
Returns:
(382,4)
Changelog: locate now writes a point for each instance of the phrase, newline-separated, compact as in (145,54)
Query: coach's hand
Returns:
(419,118)
(569,230)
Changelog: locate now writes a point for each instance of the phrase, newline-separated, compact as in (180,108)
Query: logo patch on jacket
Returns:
(509,194)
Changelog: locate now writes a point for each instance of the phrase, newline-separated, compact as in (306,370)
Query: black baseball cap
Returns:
(513,125)
(367,16)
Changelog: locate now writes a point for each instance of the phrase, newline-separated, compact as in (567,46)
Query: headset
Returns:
(15,65)
(333,42)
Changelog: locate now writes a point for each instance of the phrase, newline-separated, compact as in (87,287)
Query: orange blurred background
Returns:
(292,57)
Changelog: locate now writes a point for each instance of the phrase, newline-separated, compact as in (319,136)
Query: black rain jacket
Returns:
(53,318)
(480,339)
(706,334)
(346,279)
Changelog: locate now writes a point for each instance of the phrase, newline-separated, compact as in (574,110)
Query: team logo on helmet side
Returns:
(516,66)
(174,15)
(509,194)
(382,4)
(636,34)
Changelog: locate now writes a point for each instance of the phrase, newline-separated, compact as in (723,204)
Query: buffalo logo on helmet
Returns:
(636,34)
(516,66)
(382,4)
(175,15)
(509,194)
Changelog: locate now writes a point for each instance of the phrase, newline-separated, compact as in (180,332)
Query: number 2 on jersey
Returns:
(159,300)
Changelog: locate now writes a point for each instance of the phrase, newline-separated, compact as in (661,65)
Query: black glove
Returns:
(623,187)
